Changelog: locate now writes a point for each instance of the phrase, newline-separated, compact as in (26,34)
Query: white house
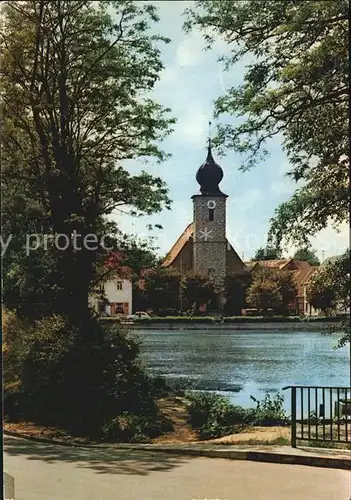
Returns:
(118,294)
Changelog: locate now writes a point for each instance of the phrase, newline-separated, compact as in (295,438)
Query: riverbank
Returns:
(297,326)
(175,409)
(235,323)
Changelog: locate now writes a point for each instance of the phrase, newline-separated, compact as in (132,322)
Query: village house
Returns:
(113,297)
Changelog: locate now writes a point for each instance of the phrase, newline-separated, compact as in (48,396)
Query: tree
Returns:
(329,289)
(87,388)
(162,289)
(288,290)
(268,253)
(197,290)
(274,287)
(320,292)
(297,87)
(74,87)
(235,286)
(308,255)
(264,295)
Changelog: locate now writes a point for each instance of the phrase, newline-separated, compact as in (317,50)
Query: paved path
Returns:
(53,472)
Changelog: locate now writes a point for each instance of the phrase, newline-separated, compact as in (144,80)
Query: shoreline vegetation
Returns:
(294,323)
(195,417)
(227,319)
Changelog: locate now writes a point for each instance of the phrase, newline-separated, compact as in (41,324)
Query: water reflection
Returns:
(240,364)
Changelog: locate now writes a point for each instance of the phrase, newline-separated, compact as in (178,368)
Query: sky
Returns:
(190,82)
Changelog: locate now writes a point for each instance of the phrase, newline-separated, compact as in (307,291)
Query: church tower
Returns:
(209,209)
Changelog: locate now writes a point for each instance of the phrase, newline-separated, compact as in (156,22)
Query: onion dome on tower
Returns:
(210,175)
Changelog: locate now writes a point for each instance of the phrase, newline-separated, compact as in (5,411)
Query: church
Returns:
(203,247)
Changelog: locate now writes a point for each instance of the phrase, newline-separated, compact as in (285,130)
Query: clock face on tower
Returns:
(211,204)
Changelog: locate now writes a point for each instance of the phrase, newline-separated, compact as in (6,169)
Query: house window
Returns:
(119,285)
(211,214)
(119,308)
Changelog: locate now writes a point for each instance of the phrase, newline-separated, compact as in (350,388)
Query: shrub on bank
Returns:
(270,411)
(227,319)
(213,416)
(82,381)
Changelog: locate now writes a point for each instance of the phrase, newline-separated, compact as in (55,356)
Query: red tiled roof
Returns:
(274,263)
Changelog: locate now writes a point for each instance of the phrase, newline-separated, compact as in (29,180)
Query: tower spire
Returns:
(209,136)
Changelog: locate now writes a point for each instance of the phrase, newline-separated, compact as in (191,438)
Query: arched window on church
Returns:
(211,214)
(211,274)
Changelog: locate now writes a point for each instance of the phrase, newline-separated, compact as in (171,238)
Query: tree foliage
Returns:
(235,286)
(297,88)
(329,289)
(268,253)
(264,295)
(272,289)
(74,86)
(85,387)
(307,255)
(197,290)
(162,289)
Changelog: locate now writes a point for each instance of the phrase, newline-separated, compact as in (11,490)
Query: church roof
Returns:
(182,240)
(178,245)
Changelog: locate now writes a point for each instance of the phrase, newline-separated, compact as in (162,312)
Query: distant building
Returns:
(203,247)
(113,297)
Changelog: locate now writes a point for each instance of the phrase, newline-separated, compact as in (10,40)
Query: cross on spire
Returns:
(209,135)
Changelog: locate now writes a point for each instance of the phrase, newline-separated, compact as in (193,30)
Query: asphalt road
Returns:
(53,472)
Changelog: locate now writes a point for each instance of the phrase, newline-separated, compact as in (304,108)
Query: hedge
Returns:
(231,319)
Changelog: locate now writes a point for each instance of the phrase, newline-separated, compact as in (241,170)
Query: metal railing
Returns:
(320,414)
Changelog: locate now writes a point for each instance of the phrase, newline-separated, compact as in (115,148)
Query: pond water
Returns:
(241,364)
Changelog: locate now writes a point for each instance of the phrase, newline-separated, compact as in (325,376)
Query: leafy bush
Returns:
(80,380)
(132,428)
(270,411)
(213,416)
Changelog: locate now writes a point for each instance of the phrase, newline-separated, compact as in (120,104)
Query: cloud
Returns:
(192,127)
(283,186)
(169,75)
(247,201)
(327,243)
(330,242)
(190,51)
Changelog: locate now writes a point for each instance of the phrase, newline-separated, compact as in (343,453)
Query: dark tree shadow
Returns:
(109,460)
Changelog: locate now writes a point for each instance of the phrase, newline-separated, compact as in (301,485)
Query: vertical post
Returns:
(309,412)
(324,412)
(180,282)
(346,415)
(301,411)
(331,413)
(316,402)
(293,417)
(338,409)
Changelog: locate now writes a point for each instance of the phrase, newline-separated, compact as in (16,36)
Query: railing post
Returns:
(293,417)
